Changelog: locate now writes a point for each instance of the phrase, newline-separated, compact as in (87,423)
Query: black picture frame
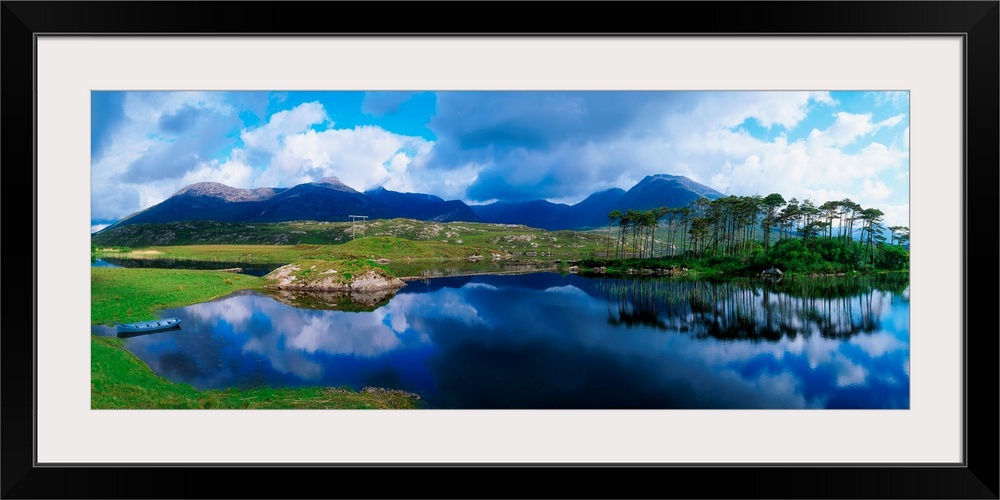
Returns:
(977,22)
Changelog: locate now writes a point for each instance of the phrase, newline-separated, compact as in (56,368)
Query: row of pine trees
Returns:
(734,226)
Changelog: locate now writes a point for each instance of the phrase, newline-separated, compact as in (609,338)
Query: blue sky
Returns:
(484,146)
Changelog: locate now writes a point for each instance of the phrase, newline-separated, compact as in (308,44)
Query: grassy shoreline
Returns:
(120,380)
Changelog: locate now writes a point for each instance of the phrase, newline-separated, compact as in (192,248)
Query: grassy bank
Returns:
(125,295)
(119,380)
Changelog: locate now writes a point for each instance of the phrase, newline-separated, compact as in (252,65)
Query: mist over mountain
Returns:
(331,200)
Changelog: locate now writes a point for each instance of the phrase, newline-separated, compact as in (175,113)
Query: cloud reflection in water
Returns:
(548,341)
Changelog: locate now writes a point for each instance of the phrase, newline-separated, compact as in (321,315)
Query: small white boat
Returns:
(148,326)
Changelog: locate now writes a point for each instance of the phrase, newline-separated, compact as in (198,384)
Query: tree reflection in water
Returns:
(755,309)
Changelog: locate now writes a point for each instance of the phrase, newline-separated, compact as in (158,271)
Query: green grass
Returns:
(396,239)
(119,380)
(126,295)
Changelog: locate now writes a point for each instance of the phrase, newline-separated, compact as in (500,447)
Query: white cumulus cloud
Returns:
(281,124)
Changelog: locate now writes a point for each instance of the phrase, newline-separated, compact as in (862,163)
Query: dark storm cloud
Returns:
(477,119)
(492,184)
(531,142)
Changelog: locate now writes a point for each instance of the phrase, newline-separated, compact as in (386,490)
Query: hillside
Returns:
(329,200)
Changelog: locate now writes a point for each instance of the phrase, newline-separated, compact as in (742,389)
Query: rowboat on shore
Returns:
(148,326)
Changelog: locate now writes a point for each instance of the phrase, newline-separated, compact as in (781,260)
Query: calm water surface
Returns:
(548,341)
(244,268)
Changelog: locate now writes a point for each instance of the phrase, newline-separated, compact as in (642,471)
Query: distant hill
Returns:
(331,200)
(204,201)
(324,200)
(423,206)
(536,213)
(661,190)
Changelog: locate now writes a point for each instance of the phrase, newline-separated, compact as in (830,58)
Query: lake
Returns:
(553,341)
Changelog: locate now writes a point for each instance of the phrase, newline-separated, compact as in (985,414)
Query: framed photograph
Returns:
(665,247)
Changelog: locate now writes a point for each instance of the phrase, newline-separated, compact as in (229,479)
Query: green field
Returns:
(410,246)
(440,239)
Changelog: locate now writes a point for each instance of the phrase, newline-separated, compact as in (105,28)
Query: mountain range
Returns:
(331,200)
